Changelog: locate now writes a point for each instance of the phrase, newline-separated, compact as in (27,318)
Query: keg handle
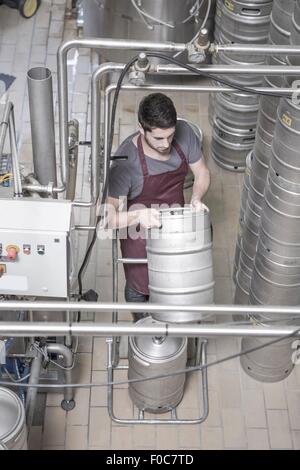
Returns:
(250,12)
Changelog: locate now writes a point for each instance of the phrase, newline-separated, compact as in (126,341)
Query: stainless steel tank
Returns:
(13,432)
(180,263)
(230,146)
(149,356)
(270,364)
(245,22)
(153,20)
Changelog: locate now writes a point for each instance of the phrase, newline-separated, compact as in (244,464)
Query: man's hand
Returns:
(197,205)
(148,218)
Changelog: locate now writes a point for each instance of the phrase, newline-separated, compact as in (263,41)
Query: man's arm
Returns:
(116,218)
(201,180)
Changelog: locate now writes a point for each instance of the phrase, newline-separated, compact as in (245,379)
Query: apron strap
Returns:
(142,156)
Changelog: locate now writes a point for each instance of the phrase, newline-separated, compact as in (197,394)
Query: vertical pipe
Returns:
(73,160)
(42,124)
(32,392)
(14,153)
(58,348)
(4,124)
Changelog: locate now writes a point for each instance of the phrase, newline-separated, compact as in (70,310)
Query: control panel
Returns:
(35,247)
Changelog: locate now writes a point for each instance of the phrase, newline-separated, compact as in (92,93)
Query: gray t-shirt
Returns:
(126,177)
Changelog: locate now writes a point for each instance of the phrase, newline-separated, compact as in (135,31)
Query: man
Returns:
(159,157)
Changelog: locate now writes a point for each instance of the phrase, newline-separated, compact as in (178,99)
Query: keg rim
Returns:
(20,415)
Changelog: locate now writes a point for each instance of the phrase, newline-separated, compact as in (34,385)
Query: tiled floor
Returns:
(244,414)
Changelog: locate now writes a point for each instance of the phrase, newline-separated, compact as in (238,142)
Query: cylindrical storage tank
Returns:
(152,20)
(281,17)
(241,78)
(40,93)
(230,147)
(245,22)
(13,432)
(238,110)
(150,356)
(269,364)
(180,263)
(295,34)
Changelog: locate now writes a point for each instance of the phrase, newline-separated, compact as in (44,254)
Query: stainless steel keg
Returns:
(269,364)
(149,356)
(13,432)
(230,147)
(244,198)
(295,34)
(281,17)
(180,262)
(238,110)
(245,22)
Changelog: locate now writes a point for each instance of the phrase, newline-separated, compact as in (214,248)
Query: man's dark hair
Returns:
(157,110)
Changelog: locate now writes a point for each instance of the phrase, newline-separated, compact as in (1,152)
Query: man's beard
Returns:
(163,152)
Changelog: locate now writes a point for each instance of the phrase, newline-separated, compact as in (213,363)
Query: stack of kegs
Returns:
(276,275)
(261,155)
(180,268)
(244,198)
(241,22)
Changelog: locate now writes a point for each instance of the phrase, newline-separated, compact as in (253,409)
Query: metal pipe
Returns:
(49,189)
(115,348)
(101,43)
(73,158)
(40,94)
(84,228)
(200,88)
(4,124)
(95,129)
(57,348)
(144,307)
(166,69)
(14,156)
(23,329)
(132,261)
(35,371)
(263,49)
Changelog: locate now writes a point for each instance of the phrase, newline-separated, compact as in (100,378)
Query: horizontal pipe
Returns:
(230,69)
(200,88)
(132,260)
(23,329)
(263,49)
(99,43)
(145,307)
(84,228)
(46,189)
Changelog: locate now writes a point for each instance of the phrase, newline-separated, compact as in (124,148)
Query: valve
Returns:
(197,50)
(137,76)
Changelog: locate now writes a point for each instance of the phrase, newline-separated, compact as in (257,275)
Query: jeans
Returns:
(131,295)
